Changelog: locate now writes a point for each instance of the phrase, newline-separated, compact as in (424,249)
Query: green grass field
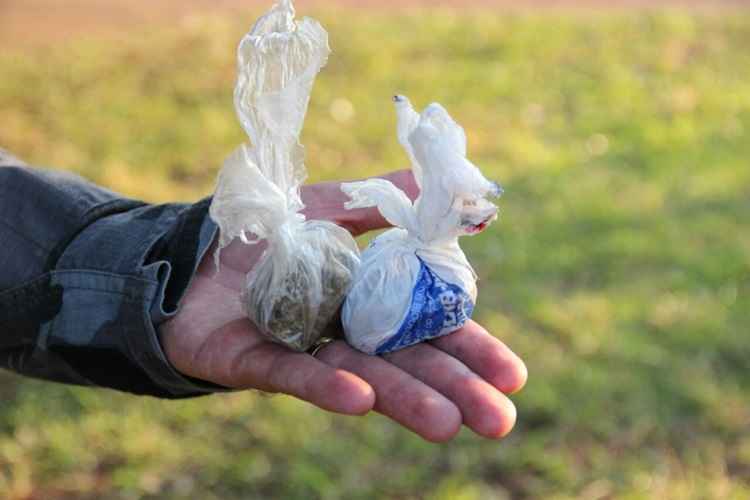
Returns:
(620,269)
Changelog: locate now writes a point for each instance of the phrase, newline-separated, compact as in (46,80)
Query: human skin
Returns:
(430,388)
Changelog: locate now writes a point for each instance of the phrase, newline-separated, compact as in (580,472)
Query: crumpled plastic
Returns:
(414,282)
(295,290)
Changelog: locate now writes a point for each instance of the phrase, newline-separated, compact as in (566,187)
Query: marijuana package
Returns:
(414,282)
(296,288)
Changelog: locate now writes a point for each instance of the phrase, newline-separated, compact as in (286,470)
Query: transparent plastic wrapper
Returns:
(297,287)
(414,282)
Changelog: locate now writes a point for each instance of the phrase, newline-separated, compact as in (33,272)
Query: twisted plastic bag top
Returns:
(294,291)
(453,192)
(258,190)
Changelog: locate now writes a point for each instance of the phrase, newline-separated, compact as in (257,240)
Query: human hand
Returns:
(430,388)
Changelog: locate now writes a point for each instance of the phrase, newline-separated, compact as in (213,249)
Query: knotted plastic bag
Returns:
(414,282)
(296,288)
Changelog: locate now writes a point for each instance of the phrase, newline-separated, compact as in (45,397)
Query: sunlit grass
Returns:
(620,269)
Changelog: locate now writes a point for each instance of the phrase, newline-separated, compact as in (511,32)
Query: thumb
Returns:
(325,201)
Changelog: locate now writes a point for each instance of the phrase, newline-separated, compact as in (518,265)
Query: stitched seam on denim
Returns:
(104,274)
(89,217)
(105,206)
(130,298)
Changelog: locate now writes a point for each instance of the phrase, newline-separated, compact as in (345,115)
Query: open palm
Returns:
(431,388)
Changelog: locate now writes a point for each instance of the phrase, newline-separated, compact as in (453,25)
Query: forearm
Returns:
(85,278)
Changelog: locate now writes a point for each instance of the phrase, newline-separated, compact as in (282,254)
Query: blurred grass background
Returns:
(620,269)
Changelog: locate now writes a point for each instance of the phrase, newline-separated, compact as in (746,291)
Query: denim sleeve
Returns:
(86,277)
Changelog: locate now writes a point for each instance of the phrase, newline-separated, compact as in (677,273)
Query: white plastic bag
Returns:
(414,282)
(296,289)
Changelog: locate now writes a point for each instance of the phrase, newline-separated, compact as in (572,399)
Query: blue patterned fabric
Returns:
(437,308)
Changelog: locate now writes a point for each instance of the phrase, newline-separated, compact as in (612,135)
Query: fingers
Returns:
(404,180)
(430,389)
(485,355)
(237,356)
(484,409)
(325,201)
(399,395)
(372,219)
(305,377)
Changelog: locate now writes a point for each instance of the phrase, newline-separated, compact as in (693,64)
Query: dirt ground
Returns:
(34,22)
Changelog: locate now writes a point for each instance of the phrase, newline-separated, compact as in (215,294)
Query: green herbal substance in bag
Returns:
(295,290)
